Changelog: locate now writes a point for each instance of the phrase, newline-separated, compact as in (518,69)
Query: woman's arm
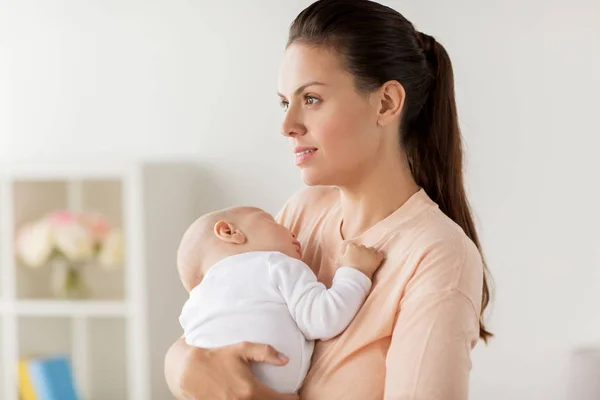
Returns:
(174,360)
(429,356)
(194,373)
(436,328)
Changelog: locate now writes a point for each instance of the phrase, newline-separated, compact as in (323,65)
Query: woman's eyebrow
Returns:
(301,88)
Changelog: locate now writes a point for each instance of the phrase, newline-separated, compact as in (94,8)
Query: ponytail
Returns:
(434,148)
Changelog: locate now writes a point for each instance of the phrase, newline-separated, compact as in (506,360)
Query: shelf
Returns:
(68,170)
(65,308)
(116,339)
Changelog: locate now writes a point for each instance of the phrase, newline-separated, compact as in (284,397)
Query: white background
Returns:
(197,80)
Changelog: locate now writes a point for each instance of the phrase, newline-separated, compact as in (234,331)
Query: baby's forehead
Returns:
(247,210)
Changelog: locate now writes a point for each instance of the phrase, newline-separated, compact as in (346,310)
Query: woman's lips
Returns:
(303,154)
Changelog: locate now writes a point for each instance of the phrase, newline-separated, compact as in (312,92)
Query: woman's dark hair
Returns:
(377,45)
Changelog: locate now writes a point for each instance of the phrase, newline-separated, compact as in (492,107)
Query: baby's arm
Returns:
(320,313)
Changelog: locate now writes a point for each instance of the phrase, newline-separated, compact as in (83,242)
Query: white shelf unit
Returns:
(66,308)
(129,324)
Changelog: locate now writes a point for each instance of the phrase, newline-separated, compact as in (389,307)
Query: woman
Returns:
(371,116)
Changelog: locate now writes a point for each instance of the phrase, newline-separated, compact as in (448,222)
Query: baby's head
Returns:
(228,232)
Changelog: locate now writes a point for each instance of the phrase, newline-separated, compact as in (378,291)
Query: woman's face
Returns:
(332,127)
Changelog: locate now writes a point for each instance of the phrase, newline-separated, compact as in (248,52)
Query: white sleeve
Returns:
(320,313)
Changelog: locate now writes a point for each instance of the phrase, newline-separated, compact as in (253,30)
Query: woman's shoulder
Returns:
(444,235)
(447,258)
(307,204)
(427,228)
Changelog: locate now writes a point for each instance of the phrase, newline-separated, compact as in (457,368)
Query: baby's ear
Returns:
(229,233)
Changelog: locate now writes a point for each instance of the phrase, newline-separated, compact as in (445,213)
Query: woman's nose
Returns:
(292,126)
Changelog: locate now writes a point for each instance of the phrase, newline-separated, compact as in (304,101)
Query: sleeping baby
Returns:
(247,283)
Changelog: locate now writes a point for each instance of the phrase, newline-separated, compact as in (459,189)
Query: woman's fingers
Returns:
(262,353)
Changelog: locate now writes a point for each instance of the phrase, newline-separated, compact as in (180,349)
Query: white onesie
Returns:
(271,298)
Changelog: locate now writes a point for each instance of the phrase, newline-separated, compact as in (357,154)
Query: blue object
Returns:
(52,378)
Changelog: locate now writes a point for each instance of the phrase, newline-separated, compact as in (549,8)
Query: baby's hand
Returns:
(365,259)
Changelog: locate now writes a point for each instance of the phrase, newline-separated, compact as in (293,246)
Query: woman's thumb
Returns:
(262,353)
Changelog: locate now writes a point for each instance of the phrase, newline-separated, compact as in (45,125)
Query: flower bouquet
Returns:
(68,241)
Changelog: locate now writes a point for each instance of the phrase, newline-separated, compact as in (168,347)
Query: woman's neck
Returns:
(375,196)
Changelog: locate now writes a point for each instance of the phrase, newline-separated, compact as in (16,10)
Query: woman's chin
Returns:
(312,178)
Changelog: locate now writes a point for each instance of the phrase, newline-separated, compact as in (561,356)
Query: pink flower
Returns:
(62,217)
(97,224)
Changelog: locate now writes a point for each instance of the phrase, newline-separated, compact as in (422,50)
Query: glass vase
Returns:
(68,280)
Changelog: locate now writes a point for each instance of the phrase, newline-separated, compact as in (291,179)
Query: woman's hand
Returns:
(220,374)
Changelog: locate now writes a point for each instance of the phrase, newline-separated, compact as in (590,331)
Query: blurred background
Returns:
(120,121)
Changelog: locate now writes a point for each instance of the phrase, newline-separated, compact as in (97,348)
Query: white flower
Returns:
(111,253)
(74,241)
(34,243)
(75,236)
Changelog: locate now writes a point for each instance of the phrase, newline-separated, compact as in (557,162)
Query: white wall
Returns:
(198,79)
(160,78)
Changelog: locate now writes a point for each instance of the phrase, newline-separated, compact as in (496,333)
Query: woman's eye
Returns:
(310,100)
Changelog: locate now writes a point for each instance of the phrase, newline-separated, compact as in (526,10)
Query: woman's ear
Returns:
(391,98)
(227,232)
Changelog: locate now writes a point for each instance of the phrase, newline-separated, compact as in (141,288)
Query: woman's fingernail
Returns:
(282,357)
